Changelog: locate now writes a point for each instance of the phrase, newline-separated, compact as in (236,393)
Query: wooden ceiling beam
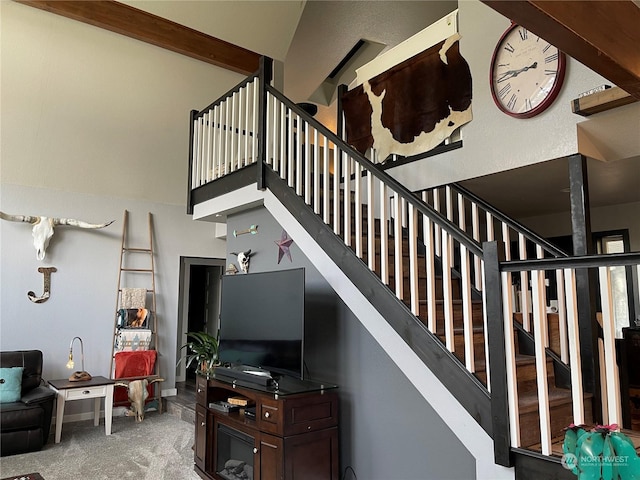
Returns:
(603,35)
(132,22)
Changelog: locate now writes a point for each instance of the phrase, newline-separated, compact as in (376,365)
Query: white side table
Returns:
(97,387)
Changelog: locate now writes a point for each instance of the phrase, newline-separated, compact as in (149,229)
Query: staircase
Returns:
(455,279)
(561,410)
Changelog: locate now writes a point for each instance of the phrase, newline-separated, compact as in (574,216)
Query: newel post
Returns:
(586,281)
(192,120)
(265,77)
(492,256)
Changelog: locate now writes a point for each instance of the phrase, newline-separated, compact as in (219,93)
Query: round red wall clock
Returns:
(526,73)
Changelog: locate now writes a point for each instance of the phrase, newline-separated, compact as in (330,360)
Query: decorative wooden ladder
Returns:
(152,318)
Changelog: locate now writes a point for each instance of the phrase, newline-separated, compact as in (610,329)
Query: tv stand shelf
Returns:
(293,436)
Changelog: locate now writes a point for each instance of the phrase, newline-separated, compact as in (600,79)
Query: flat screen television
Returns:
(262,321)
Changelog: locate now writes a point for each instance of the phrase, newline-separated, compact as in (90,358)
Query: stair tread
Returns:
(475,329)
(523,359)
(454,301)
(528,402)
(556,446)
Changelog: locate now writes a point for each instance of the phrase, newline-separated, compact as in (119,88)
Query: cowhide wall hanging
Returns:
(412,107)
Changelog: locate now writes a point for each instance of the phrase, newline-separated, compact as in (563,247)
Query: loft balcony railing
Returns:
(411,240)
(224,134)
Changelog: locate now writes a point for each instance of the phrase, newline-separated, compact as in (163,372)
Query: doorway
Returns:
(198,304)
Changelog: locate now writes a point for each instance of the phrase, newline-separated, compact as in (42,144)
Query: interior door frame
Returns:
(183,303)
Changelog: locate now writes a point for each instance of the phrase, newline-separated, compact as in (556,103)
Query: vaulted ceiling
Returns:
(609,47)
(312,37)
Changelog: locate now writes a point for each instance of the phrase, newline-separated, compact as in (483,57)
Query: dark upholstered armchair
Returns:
(25,423)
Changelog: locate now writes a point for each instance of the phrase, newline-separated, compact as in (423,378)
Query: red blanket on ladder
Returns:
(140,363)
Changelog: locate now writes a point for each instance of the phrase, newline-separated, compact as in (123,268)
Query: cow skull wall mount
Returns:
(43,228)
(243,260)
(138,394)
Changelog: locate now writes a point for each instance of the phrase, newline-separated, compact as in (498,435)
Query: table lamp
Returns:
(81,375)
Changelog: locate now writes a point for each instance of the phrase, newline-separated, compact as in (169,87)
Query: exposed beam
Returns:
(123,19)
(603,35)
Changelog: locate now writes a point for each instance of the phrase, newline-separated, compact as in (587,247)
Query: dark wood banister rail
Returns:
(265,75)
(226,95)
(498,215)
(422,207)
(582,261)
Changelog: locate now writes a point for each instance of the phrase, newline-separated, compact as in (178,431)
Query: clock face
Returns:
(526,73)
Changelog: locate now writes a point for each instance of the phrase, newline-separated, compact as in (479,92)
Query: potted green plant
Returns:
(202,348)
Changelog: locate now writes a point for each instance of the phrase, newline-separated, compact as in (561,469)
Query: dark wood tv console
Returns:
(293,436)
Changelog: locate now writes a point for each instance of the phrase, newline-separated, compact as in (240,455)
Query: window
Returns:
(620,280)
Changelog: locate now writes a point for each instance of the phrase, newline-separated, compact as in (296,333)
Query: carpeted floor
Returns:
(159,448)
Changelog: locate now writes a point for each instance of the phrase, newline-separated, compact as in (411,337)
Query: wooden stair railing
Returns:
(428,256)
(561,411)
(425,259)
(560,401)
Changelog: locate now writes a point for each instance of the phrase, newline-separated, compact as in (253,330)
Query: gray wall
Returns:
(93,123)
(83,290)
(387,430)
(603,219)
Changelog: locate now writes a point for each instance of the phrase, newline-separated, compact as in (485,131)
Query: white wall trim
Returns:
(216,209)
(169,392)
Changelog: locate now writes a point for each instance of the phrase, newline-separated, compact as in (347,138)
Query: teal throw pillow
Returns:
(10,384)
